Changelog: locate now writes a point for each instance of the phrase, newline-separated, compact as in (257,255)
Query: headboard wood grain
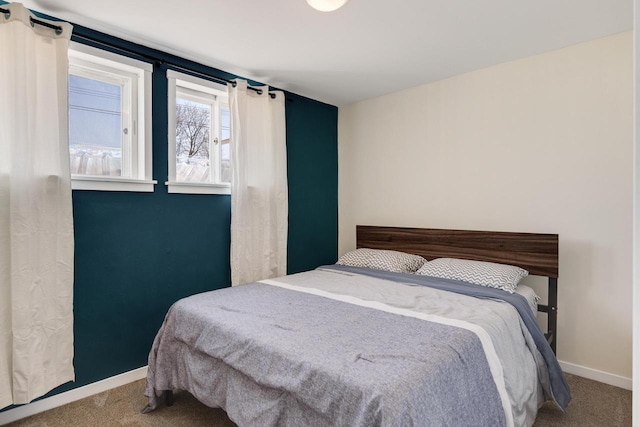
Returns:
(535,252)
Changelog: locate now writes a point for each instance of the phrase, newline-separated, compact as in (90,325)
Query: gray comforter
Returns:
(285,353)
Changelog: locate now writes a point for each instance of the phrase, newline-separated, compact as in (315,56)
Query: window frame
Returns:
(89,62)
(204,91)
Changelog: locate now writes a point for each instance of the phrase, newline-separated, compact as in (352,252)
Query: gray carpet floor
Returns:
(593,404)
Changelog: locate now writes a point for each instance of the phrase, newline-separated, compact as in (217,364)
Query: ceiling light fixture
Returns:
(326,5)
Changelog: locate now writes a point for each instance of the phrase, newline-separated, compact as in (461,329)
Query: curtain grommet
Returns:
(7,15)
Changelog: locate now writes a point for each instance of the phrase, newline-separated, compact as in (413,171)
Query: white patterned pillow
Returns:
(493,275)
(379,259)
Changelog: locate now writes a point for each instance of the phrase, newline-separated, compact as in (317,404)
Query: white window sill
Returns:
(99,183)
(197,188)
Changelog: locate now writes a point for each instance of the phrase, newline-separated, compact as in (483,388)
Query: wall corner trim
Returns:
(61,399)
(596,375)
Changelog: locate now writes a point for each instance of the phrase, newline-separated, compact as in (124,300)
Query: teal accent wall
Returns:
(312,150)
(137,253)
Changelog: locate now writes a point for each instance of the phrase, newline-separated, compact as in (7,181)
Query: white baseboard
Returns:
(36,407)
(596,375)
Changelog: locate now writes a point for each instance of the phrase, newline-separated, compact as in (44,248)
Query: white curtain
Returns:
(36,225)
(259,197)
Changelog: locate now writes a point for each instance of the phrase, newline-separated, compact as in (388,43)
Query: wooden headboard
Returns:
(536,253)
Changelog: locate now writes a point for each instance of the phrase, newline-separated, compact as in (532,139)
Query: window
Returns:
(109,121)
(199,132)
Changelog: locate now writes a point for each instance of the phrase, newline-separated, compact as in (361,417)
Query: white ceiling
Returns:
(366,49)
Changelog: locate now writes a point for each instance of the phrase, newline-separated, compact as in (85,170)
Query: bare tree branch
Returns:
(192,130)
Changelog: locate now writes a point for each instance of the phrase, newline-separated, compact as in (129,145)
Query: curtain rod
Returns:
(33,20)
(168,63)
(58,30)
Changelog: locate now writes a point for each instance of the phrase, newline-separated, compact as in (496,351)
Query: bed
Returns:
(343,345)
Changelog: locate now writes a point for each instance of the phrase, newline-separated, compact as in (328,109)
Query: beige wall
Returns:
(542,144)
(636,218)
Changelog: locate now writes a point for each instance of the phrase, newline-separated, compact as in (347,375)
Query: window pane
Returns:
(193,129)
(95,127)
(225,134)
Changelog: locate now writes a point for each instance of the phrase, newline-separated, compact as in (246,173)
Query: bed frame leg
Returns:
(167,397)
(552,313)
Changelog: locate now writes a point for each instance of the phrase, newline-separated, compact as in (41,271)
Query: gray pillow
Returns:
(493,275)
(379,259)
